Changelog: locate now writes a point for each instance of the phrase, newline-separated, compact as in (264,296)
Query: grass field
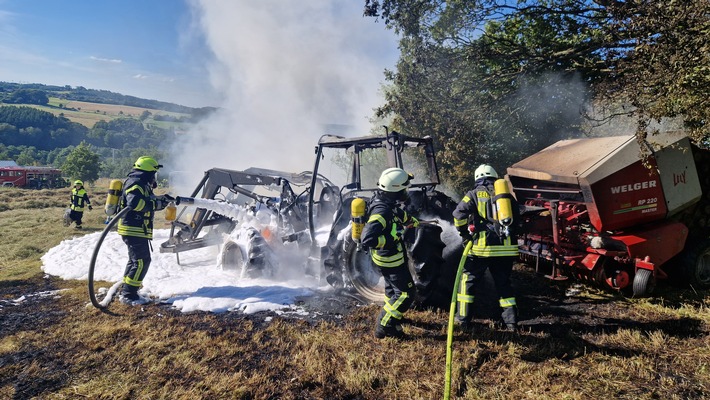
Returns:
(589,345)
(88,114)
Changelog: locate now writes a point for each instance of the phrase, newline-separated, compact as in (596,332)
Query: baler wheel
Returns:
(644,283)
(697,264)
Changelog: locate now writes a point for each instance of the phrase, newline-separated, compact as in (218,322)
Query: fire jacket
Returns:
(79,198)
(476,208)
(383,231)
(138,194)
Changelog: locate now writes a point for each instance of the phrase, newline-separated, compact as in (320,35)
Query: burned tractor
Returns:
(258,217)
(597,211)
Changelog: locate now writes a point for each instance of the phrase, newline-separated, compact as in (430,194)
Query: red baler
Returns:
(595,209)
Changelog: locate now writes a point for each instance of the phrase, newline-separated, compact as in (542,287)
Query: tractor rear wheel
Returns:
(644,283)
(363,275)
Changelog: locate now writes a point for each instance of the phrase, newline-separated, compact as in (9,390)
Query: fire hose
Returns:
(450,329)
(92,264)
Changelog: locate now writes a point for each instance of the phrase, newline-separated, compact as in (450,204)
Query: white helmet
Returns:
(484,171)
(394,180)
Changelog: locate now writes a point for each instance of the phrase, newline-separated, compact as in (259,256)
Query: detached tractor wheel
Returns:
(696,264)
(644,283)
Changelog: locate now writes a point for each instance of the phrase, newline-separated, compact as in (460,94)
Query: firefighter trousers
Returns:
(472,279)
(399,291)
(138,260)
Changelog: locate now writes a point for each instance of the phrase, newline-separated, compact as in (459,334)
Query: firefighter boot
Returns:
(391,329)
(129,295)
(510,318)
(465,324)
(394,331)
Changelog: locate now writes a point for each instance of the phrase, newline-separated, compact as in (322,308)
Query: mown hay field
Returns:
(87,113)
(574,344)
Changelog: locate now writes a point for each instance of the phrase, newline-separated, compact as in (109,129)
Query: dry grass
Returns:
(593,346)
(88,114)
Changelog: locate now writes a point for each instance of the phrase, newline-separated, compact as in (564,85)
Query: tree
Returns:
(493,80)
(82,163)
(28,156)
(145,115)
(28,96)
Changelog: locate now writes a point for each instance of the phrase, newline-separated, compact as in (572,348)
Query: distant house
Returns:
(7,163)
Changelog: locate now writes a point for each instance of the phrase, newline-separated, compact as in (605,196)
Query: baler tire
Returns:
(696,264)
(644,283)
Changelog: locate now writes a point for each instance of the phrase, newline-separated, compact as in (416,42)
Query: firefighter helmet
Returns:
(394,180)
(147,164)
(485,171)
(78,182)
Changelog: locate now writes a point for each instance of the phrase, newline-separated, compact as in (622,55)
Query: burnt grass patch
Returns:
(53,346)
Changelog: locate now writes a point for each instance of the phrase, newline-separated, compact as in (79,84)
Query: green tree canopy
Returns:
(27,96)
(495,80)
(82,163)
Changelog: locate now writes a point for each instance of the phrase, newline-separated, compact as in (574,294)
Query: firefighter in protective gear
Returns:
(383,235)
(136,227)
(492,248)
(78,200)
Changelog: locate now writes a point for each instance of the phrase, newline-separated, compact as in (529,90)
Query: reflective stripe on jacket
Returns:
(383,230)
(78,199)
(476,208)
(137,194)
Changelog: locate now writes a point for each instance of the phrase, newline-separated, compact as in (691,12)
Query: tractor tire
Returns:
(644,283)
(696,264)
(426,258)
(252,260)
(362,275)
(232,257)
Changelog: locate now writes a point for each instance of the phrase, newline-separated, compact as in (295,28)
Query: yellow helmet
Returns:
(394,180)
(485,171)
(78,182)
(147,164)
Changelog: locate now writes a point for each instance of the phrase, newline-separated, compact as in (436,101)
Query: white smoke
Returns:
(285,69)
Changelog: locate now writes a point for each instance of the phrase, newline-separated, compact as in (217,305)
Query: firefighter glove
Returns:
(160,203)
(90,208)
(466,234)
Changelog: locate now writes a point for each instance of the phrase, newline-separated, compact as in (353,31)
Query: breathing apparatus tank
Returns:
(357,216)
(504,205)
(114,194)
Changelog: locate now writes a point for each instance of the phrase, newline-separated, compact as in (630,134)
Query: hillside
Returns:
(88,106)
(41,125)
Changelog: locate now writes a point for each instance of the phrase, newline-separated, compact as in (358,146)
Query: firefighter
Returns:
(78,199)
(383,235)
(493,248)
(136,227)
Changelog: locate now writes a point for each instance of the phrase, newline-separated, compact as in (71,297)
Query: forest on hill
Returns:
(32,136)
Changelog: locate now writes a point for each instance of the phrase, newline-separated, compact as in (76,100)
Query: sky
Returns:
(198,282)
(182,51)
(280,72)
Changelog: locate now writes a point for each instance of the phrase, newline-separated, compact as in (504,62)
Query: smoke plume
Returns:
(286,70)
